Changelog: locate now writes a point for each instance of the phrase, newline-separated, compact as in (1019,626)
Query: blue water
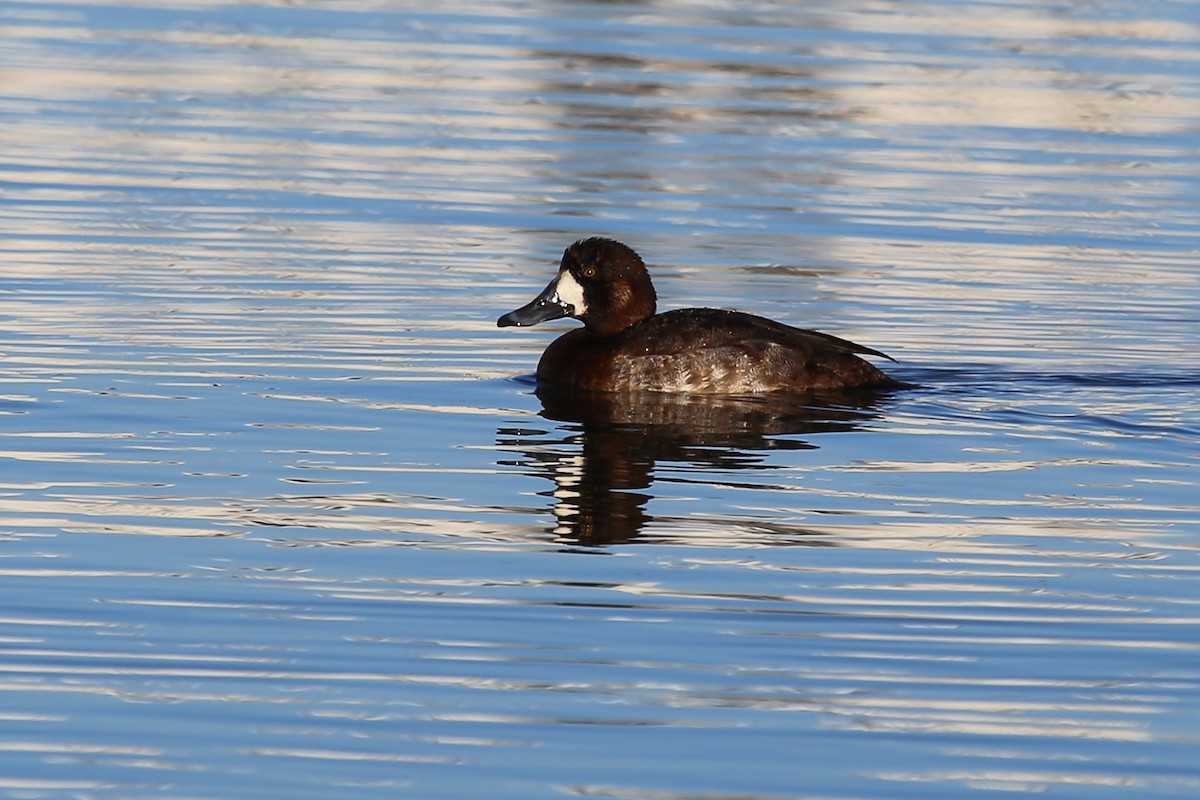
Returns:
(282,515)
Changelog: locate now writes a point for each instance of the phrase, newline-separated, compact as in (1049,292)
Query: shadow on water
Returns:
(603,468)
(990,378)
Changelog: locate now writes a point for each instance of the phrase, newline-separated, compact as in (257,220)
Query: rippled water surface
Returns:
(282,515)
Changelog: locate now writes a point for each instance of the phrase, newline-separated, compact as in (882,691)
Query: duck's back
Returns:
(708,351)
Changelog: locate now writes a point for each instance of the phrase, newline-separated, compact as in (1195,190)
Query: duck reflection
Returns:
(602,481)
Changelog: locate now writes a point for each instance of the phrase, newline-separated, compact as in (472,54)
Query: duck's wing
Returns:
(844,345)
(689,329)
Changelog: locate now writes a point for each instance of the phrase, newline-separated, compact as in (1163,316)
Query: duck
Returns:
(625,346)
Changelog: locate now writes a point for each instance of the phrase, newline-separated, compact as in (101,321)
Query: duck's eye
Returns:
(588,272)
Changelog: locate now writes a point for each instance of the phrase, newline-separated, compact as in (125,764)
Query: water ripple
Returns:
(280,505)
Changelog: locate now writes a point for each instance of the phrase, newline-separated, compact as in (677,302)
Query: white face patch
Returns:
(570,292)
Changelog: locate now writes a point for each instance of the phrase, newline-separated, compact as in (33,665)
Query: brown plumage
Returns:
(624,346)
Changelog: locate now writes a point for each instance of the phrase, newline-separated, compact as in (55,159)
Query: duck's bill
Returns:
(546,306)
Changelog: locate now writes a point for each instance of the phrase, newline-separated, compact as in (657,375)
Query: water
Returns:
(283,516)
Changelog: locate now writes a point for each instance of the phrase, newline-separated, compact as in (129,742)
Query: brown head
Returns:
(600,282)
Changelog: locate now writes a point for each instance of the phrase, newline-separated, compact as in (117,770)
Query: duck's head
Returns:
(600,282)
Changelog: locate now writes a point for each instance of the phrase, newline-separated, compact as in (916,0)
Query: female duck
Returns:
(624,346)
